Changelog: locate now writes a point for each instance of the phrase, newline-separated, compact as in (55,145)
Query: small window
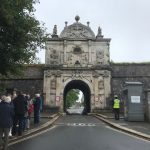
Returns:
(77,50)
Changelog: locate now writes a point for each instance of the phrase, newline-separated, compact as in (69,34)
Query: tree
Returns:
(72,97)
(20,35)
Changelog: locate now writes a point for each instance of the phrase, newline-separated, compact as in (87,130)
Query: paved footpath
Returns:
(141,129)
(46,120)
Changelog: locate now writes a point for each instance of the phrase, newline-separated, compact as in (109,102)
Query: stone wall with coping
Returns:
(32,81)
(132,72)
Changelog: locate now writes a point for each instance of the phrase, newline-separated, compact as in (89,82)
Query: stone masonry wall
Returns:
(130,72)
(31,82)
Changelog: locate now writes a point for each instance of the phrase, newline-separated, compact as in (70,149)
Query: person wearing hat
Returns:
(6,121)
(37,106)
(116,107)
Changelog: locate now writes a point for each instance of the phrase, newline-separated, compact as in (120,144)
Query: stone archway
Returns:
(77,59)
(82,86)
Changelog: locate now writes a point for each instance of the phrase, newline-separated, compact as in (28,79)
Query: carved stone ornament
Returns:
(101,84)
(77,31)
(101,98)
(53,84)
(99,34)
(55,30)
(54,57)
(97,73)
(106,73)
(58,73)
(77,54)
(49,73)
(100,57)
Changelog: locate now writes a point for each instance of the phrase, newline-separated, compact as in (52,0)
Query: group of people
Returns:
(15,114)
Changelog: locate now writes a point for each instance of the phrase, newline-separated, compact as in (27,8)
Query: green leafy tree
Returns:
(2,87)
(72,97)
(20,35)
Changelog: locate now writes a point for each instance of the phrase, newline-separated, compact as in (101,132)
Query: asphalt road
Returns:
(77,132)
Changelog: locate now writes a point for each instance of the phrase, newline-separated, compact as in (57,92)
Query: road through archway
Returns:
(82,86)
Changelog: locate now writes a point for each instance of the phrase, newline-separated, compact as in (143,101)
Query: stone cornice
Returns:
(130,76)
(130,64)
(94,40)
(60,67)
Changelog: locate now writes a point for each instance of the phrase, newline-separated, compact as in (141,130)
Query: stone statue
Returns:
(55,30)
(99,34)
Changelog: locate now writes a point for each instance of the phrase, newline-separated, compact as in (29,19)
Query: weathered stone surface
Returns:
(32,81)
(78,59)
(122,73)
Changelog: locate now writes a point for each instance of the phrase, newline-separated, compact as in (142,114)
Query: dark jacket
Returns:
(37,104)
(20,105)
(6,115)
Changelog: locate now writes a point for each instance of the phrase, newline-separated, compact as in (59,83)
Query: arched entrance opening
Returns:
(82,86)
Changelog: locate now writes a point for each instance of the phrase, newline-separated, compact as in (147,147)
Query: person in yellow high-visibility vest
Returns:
(116,107)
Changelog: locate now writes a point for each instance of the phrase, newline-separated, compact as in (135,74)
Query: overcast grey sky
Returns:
(126,22)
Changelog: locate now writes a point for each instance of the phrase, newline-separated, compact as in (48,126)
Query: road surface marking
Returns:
(31,136)
(134,136)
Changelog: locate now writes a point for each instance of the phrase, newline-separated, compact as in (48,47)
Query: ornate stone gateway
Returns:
(77,59)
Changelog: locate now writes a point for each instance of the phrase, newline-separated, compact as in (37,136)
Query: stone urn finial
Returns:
(77,18)
(88,23)
(66,23)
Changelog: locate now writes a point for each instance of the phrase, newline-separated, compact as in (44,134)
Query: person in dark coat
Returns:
(37,105)
(6,121)
(20,108)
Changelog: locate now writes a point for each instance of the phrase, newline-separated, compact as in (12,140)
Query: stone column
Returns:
(47,90)
(96,91)
(65,50)
(46,87)
(90,52)
(58,90)
(44,83)
(107,87)
(101,92)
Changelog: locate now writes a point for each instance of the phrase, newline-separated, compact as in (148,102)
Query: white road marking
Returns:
(81,124)
(31,136)
(134,136)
